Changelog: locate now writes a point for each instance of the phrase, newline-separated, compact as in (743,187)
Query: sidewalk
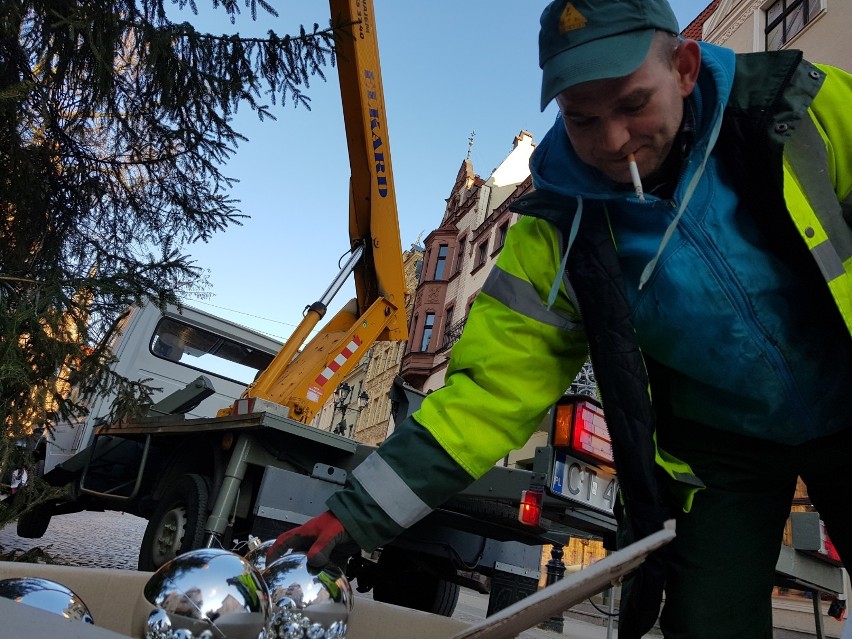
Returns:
(473,605)
(584,622)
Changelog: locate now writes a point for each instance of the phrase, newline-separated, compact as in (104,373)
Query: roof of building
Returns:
(693,30)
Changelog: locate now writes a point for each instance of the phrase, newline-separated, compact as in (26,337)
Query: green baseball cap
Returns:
(585,40)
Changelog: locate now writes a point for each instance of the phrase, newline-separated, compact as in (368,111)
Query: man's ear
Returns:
(687,63)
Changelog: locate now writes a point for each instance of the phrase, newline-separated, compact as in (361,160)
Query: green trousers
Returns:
(723,564)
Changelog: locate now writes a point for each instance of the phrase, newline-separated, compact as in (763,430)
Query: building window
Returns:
(441,262)
(786,18)
(428,325)
(414,320)
(501,236)
(460,255)
(481,254)
(448,319)
(452,332)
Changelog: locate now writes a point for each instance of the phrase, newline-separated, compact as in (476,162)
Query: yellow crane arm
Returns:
(302,378)
(372,206)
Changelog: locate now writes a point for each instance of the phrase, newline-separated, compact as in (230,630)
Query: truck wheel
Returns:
(400,581)
(177,523)
(33,523)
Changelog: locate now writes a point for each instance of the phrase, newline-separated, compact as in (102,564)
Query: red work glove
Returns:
(319,537)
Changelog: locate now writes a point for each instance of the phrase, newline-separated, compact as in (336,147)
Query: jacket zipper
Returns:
(744,309)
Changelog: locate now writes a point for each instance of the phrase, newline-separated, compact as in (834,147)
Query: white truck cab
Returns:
(168,350)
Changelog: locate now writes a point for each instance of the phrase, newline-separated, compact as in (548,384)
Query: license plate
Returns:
(582,483)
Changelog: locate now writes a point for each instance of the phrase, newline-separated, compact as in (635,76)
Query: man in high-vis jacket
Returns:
(690,231)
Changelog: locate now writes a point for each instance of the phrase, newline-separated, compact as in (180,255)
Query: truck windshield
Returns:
(208,352)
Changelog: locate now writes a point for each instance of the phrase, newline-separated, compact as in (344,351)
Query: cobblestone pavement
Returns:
(97,540)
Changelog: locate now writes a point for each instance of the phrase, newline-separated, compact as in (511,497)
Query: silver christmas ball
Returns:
(158,625)
(257,556)
(46,595)
(307,602)
(209,590)
(337,630)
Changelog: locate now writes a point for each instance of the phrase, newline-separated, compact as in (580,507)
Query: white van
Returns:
(171,349)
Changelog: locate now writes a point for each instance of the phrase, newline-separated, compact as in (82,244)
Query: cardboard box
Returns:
(110,595)
(115,599)
(18,621)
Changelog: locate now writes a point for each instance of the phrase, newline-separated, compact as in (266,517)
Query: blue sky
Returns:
(448,68)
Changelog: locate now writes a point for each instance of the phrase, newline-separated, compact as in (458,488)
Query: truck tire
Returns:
(33,523)
(177,523)
(400,581)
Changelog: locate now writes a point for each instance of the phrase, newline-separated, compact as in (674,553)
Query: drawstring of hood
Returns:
(709,143)
(572,235)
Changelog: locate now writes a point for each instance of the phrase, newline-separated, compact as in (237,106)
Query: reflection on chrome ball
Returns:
(158,625)
(257,556)
(307,602)
(46,595)
(204,593)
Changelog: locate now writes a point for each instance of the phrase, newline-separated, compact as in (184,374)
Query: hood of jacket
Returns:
(556,168)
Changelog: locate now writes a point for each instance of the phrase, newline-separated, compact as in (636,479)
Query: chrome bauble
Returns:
(46,595)
(337,630)
(307,603)
(257,555)
(208,592)
(158,625)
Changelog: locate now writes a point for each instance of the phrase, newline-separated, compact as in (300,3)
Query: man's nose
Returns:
(614,135)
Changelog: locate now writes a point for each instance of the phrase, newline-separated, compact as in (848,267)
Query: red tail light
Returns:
(529,512)
(827,548)
(580,426)
(590,434)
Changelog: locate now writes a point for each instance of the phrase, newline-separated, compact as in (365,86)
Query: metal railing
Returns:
(452,335)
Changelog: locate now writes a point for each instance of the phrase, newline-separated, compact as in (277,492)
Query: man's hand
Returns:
(318,537)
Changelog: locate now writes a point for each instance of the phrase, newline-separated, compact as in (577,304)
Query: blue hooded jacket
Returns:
(748,344)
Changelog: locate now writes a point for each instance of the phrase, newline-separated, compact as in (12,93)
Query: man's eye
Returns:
(633,109)
(578,122)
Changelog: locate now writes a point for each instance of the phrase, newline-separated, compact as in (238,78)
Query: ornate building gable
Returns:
(729,16)
(463,193)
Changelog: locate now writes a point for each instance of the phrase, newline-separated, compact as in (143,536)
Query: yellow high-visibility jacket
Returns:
(518,353)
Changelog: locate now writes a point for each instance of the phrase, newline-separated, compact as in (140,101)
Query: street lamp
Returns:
(341,397)
(341,394)
(363,398)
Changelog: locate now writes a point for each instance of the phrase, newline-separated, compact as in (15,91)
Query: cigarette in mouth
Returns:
(634,175)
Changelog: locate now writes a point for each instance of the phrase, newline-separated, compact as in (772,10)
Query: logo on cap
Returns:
(571,19)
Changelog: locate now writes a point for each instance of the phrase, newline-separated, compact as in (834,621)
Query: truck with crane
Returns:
(228,450)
